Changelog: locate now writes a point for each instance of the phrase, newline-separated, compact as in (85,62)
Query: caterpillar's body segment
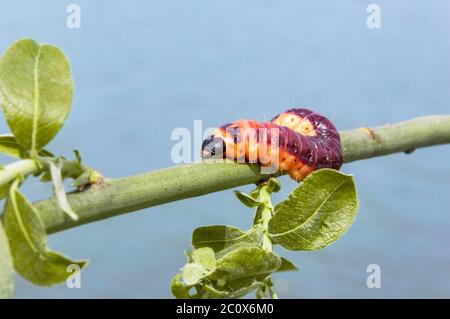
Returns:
(297,141)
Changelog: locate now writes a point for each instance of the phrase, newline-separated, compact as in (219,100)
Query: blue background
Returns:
(143,68)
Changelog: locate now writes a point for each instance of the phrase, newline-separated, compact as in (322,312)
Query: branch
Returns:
(124,195)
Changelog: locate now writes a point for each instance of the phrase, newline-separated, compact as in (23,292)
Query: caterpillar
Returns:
(297,141)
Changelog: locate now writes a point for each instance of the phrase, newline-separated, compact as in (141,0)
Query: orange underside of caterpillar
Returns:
(297,141)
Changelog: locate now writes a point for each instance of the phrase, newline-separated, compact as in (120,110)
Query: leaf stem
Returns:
(20,168)
(71,169)
(266,215)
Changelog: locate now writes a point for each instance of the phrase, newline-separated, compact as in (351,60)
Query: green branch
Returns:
(124,195)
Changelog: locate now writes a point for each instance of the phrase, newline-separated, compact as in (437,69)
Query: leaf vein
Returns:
(36,97)
(315,211)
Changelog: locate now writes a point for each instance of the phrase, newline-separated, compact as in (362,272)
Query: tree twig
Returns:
(124,195)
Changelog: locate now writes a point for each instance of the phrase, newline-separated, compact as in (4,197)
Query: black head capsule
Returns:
(213,147)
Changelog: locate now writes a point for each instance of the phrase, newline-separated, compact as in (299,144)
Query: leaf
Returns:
(247,200)
(36,89)
(10,147)
(82,180)
(277,206)
(205,257)
(3,190)
(273,185)
(246,290)
(219,237)
(286,265)
(6,267)
(179,290)
(215,293)
(246,261)
(77,156)
(28,242)
(255,192)
(203,264)
(60,193)
(192,273)
(210,292)
(188,255)
(45,153)
(239,283)
(229,249)
(316,213)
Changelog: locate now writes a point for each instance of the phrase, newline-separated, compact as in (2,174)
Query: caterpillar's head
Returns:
(213,147)
(297,120)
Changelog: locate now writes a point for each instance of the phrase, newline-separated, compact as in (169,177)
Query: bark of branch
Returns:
(124,195)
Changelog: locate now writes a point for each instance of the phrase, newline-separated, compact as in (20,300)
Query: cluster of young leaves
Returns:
(36,92)
(227,262)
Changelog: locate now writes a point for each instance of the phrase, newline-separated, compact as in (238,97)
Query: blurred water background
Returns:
(143,68)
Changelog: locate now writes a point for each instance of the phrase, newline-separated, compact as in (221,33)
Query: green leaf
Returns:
(10,147)
(237,284)
(192,273)
(60,193)
(28,242)
(273,185)
(210,292)
(247,200)
(214,293)
(77,156)
(188,255)
(179,290)
(36,89)
(247,289)
(255,192)
(45,153)
(286,265)
(219,237)
(82,180)
(277,206)
(316,213)
(229,249)
(246,261)
(203,264)
(4,191)
(205,257)
(6,267)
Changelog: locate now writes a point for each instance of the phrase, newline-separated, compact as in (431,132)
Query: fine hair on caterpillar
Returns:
(297,141)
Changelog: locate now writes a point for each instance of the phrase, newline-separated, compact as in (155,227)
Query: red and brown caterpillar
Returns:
(298,141)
